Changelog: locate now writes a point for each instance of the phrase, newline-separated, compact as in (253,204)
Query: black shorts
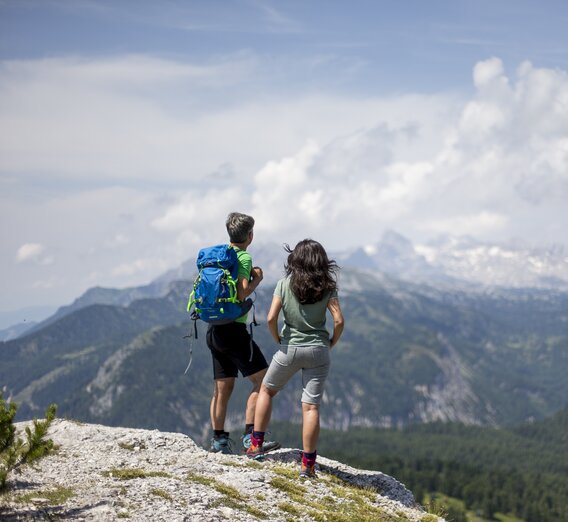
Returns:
(231,346)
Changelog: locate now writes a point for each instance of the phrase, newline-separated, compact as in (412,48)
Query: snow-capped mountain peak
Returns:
(451,258)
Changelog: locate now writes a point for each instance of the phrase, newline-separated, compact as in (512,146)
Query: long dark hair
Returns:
(312,273)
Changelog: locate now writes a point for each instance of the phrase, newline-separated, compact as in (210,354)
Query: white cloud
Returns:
(495,170)
(141,267)
(340,170)
(117,118)
(489,72)
(138,117)
(190,221)
(463,225)
(29,251)
(46,284)
(118,241)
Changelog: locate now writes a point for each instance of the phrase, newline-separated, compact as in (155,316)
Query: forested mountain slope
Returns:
(410,354)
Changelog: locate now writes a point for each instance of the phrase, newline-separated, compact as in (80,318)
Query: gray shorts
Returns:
(314,361)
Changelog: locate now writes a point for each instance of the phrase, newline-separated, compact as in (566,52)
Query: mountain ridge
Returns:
(410,353)
(452,263)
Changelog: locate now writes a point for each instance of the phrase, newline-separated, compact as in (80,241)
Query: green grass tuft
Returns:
(288,507)
(233,464)
(347,502)
(286,472)
(231,497)
(229,491)
(161,493)
(295,491)
(200,479)
(255,512)
(133,473)
(59,495)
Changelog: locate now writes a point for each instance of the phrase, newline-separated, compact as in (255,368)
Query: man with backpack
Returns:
(232,347)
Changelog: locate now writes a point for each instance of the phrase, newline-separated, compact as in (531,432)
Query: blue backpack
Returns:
(214,294)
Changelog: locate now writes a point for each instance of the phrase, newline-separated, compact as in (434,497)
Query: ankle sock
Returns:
(248,429)
(219,433)
(257,438)
(309,459)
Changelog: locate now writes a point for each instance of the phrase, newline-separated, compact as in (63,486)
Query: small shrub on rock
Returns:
(15,451)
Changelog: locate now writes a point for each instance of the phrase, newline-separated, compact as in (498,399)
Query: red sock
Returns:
(309,459)
(257,438)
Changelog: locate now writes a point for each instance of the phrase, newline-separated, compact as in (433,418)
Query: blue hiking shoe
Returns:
(221,444)
(269,445)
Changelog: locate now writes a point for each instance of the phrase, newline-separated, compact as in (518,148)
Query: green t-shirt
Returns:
(245,270)
(304,324)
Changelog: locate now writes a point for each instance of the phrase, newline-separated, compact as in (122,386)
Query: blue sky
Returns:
(128,130)
(362,46)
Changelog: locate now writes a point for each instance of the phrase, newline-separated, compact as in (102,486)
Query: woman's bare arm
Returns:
(272,318)
(338,321)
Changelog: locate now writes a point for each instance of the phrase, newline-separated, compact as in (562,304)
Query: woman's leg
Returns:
(311,426)
(314,375)
(262,415)
(256,380)
(281,369)
(263,410)
(278,374)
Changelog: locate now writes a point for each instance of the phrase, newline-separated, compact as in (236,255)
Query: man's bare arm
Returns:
(246,287)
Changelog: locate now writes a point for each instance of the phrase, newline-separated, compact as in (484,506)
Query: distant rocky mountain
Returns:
(269,256)
(411,353)
(449,263)
(107,296)
(100,473)
(13,332)
(14,323)
(396,255)
(464,262)
(27,314)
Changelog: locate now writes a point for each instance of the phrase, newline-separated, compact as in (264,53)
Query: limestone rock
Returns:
(100,473)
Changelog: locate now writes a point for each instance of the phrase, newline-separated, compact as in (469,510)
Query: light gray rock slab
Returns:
(90,459)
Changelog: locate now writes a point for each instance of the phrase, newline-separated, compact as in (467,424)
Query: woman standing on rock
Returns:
(304,295)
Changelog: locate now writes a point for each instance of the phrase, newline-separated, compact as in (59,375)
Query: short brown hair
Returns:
(239,226)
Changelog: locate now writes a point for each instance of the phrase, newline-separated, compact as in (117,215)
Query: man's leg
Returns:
(219,402)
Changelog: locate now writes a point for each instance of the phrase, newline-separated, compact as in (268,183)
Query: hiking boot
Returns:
(221,445)
(246,441)
(255,452)
(308,472)
(268,445)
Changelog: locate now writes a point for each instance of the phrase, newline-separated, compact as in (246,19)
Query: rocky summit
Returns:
(102,473)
